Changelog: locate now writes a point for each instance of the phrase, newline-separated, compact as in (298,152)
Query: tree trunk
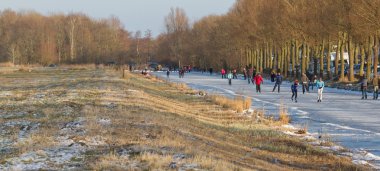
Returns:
(267,56)
(283,60)
(293,57)
(351,50)
(264,55)
(271,55)
(337,55)
(72,50)
(315,60)
(321,62)
(342,47)
(376,56)
(307,58)
(369,56)
(356,54)
(328,58)
(303,58)
(362,55)
(287,60)
(297,53)
(257,56)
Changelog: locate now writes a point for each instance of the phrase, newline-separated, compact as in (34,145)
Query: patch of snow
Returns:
(309,138)
(364,155)
(359,162)
(191,166)
(104,121)
(288,126)
(6,93)
(111,105)
(42,159)
(39,96)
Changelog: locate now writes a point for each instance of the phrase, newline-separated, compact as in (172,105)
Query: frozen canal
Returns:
(342,116)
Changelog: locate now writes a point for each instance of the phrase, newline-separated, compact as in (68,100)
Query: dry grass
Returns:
(238,104)
(35,142)
(247,103)
(80,66)
(154,121)
(156,161)
(6,64)
(283,114)
(112,162)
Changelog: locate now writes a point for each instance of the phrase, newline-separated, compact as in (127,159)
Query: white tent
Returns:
(345,56)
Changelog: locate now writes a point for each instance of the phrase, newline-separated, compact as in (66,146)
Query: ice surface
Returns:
(342,115)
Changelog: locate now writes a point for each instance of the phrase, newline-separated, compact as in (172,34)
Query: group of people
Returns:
(231,75)
(319,84)
(224,74)
(257,80)
(307,81)
(277,79)
(364,87)
(249,73)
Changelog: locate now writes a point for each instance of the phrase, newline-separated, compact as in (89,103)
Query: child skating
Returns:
(294,87)
(258,80)
(320,85)
(229,76)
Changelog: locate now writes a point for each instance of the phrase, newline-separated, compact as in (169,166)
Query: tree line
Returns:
(28,37)
(283,35)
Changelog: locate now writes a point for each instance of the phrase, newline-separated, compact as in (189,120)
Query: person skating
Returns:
(364,86)
(305,82)
(245,73)
(278,81)
(250,75)
(272,76)
(320,85)
(167,73)
(258,80)
(223,72)
(229,76)
(234,74)
(313,81)
(294,87)
(375,82)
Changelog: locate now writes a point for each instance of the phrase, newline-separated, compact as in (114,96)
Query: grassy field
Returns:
(94,119)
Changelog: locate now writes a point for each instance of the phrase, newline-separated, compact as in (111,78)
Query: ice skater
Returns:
(258,80)
(234,74)
(223,72)
(305,82)
(250,75)
(364,86)
(375,83)
(229,76)
(278,82)
(294,87)
(313,81)
(167,73)
(245,73)
(320,85)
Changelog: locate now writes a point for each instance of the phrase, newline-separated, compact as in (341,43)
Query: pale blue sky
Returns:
(134,14)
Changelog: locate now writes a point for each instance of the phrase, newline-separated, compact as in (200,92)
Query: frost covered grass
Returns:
(92,119)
